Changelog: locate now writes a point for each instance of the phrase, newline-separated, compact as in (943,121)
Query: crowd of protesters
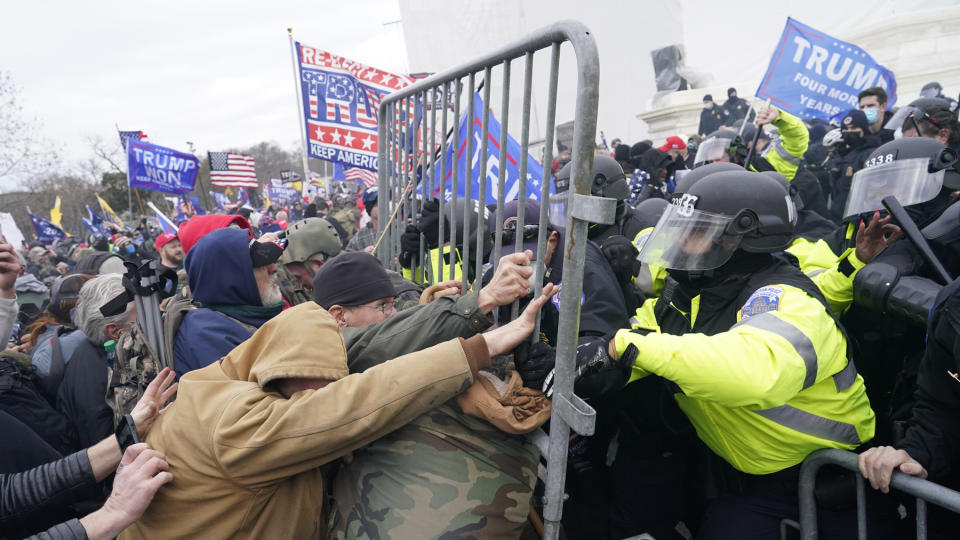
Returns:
(752,302)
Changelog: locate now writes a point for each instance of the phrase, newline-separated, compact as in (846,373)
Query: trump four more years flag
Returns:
(340,102)
(150,166)
(813,75)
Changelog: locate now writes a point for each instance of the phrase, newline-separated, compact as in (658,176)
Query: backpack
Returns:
(134,366)
(21,397)
(173,318)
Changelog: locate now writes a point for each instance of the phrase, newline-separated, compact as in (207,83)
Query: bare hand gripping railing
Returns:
(924,490)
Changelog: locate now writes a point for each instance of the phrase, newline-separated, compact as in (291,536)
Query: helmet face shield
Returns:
(711,150)
(896,121)
(690,239)
(905,179)
(557,211)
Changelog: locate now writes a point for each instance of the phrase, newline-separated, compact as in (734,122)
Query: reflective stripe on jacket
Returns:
(764,391)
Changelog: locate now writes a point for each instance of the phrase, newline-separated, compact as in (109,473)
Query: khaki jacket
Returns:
(246,461)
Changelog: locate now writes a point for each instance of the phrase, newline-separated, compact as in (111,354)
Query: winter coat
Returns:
(247,460)
(221,279)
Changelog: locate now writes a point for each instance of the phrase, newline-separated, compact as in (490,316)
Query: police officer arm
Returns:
(794,136)
(761,362)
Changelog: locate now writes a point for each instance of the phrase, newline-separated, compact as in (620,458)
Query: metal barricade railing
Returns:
(924,490)
(405,158)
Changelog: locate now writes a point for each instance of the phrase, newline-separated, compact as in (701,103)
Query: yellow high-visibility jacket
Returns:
(766,392)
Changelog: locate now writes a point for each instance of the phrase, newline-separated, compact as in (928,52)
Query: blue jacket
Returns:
(221,277)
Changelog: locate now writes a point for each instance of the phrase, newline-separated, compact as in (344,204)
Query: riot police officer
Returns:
(759,359)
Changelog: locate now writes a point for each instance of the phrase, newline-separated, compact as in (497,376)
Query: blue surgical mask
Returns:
(130,248)
(871,114)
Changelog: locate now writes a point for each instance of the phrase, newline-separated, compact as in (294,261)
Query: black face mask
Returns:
(852,139)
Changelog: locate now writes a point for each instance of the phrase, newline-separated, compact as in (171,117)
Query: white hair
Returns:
(93,295)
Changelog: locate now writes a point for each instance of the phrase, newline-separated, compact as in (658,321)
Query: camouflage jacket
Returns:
(443,473)
(134,367)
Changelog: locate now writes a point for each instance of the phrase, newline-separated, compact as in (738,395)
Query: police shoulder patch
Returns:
(762,300)
(556,298)
(642,239)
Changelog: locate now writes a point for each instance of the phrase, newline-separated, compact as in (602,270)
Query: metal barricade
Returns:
(924,490)
(407,156)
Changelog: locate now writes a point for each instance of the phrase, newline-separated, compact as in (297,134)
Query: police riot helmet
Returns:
(475,222)
(310,238)
(608,178)
(686,180)
(912,169)
(788,186)
(648,212)
(724,212)
(719,143)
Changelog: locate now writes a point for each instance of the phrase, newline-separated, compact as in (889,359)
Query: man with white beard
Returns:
(234,285)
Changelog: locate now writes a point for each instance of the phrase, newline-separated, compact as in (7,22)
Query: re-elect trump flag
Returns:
(150,166)
(490,161)
(813,75)
(340,102)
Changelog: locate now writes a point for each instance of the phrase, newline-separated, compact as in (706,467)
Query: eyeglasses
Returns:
(923,116)
(529,232)
(384,308)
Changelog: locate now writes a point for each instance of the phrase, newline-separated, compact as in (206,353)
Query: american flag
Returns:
(356,174)
(234,170)
(137,135)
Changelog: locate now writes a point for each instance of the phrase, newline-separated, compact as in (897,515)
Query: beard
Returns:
(271,296)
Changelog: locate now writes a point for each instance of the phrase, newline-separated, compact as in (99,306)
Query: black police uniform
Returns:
(712,119)
(736,108)
(842,168)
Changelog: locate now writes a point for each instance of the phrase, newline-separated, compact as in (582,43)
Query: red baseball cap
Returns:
(163,239)
(673,143)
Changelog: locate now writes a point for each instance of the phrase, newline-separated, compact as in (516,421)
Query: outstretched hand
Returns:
(151,404)
(505,338)
(874,238)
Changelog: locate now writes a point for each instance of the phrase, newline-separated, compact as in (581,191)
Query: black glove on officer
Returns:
(534,363)
(596,375)
(429,223)
(622,256)
(409,247)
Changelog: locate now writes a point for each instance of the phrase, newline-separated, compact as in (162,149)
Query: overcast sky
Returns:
(216,73)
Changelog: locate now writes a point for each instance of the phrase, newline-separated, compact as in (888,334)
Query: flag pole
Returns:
(129,188)
(297,93)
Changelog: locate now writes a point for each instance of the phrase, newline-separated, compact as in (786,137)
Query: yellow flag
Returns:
(109,213)
(55,214)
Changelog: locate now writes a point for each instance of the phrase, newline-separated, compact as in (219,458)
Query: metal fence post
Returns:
(569,411)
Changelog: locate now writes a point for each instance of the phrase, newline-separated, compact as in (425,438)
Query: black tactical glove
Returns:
(409,247)
(534,363)
(622,256)
(597,374)
(429,223)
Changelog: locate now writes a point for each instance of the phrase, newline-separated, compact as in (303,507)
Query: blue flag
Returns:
(97,223)
(511,185)
(161,169)
(166,224)
(196,206)
(813,75)
(220,199)
(97,232)
(47,231)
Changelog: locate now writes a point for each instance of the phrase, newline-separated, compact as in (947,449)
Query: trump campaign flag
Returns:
(340,101)
(166,223)
(813,75)
(47,232)
(150,166)
(491,161)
